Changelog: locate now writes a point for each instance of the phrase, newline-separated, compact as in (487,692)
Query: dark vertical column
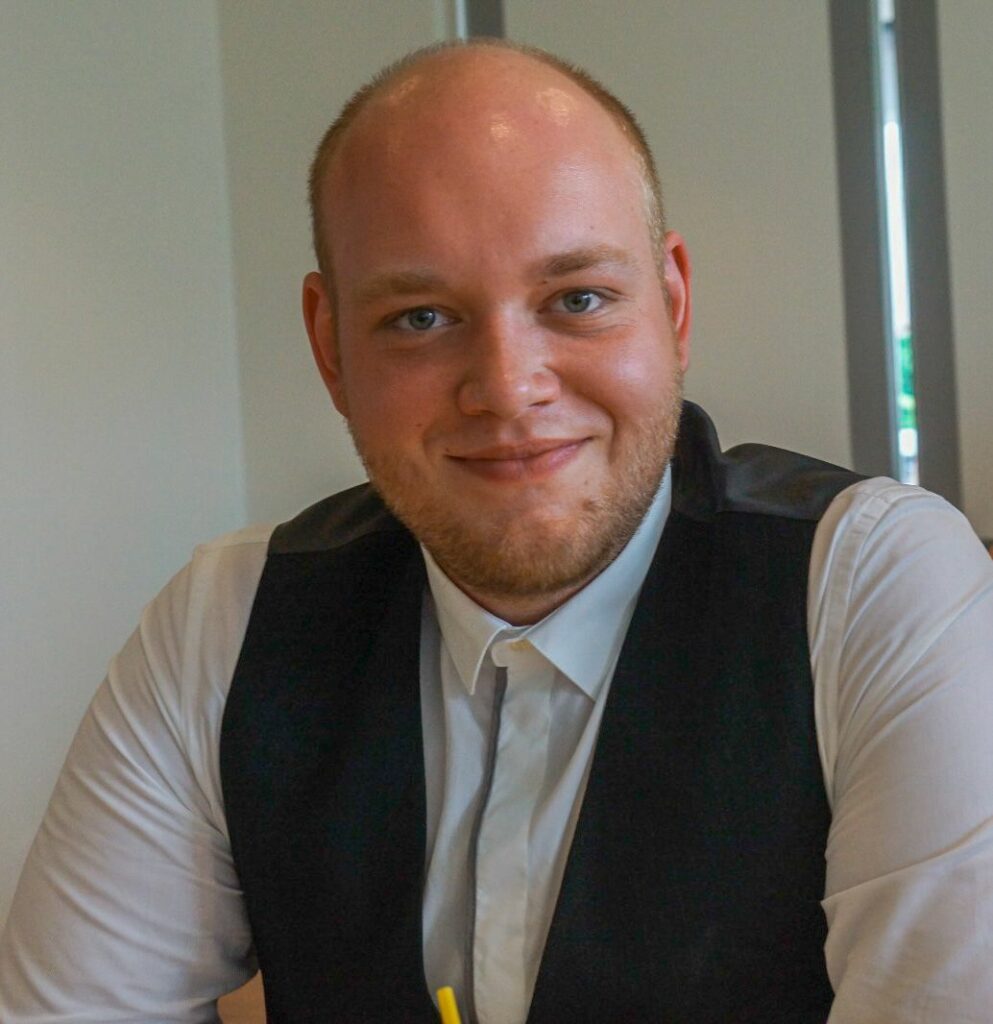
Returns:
(871,410)
(484,18)
(927,237)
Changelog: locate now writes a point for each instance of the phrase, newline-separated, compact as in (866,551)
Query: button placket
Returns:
(502,865)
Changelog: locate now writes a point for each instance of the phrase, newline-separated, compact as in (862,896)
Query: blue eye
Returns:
(581,302)
(422,319)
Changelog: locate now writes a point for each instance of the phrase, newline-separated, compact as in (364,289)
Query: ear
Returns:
(318,316)
(678,275)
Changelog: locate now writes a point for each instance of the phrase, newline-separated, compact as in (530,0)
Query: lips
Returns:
(530,460)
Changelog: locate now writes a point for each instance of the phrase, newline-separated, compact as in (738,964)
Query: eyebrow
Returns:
(417,282)
(588,258)
(402,282)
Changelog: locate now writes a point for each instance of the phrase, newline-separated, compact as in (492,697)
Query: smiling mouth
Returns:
(530,461)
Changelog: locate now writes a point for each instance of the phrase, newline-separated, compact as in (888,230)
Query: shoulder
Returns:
(878,527)
(229,566)
(891,559)
(879,548)
(206,602)
(899,552)
(206,606)
(337,522)
(754,479)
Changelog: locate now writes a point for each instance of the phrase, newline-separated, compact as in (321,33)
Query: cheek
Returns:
(635,380)
(391,411)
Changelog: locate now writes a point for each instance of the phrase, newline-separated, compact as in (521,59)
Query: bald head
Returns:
(490,93)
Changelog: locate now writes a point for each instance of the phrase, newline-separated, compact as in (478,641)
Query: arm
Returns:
(902,631)
(128,908)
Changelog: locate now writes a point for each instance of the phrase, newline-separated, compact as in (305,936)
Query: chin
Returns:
(527,559)
(520,554)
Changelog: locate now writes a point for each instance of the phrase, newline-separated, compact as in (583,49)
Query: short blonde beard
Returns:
(512,559)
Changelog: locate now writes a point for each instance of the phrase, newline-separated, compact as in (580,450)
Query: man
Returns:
(581,750)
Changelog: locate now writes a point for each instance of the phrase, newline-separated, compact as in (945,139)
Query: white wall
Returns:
(119,416)
(736,101)
(288,68)
(965,28)
(136,333)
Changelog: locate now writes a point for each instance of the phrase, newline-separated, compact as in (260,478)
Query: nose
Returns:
(507,372)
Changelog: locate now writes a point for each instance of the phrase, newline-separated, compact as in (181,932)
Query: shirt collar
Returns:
(582,637)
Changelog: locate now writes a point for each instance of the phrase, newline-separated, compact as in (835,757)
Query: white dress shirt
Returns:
(129,909)
(558,675)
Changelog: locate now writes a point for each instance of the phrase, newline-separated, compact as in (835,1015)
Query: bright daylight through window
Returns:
(900,334)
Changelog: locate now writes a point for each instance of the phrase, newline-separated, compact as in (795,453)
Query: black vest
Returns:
(692,890)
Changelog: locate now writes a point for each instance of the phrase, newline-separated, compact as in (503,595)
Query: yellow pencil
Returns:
(448,1007)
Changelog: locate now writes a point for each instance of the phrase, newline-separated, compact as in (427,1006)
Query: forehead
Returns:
(475,104)
(492,140)
(495,86)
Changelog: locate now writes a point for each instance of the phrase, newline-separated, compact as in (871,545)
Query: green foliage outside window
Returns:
(906,404)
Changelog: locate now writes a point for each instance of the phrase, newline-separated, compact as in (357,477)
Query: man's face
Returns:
(499,338)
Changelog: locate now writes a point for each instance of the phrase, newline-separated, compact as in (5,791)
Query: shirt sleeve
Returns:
(128,907)
(901,624)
